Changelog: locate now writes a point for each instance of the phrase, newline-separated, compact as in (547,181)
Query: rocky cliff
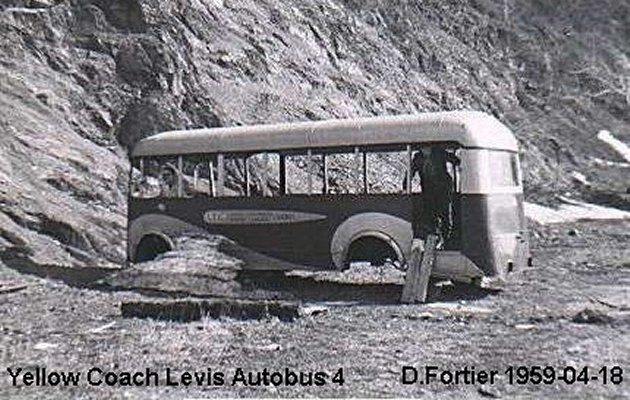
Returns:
(82,80)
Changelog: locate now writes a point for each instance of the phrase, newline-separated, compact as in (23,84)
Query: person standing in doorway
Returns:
(437,188)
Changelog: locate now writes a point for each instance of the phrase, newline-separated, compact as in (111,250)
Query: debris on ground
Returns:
(9,287)
(487,391)
(591,316)
(103,328)
(313,310)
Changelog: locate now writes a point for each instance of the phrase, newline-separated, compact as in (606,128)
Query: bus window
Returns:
(144,178)
(135,179)
(504,168)
(437,165)
(386,171)
(345,172)
(264,169)
(453,166)
(196,175)
(304,173)
(234,176)
(316,172)
(416,180)
(169,177)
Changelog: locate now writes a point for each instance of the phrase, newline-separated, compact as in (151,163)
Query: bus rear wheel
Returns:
(376,251)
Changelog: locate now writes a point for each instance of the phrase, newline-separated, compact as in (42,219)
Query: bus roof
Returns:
(468,128)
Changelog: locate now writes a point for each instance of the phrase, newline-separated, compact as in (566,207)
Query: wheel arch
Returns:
(394,231)
(165,227)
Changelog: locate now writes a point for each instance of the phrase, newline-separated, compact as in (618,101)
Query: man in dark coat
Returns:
(437,189)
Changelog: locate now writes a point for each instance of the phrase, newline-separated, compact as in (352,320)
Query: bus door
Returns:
(435,175)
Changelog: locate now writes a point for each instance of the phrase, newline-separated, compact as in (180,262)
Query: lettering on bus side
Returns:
(258,217)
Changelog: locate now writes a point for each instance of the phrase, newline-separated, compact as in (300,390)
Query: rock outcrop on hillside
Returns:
(82,80)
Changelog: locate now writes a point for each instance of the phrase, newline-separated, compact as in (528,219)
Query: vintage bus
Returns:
(323,194)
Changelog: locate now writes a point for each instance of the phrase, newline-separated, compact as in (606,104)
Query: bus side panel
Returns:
(306,242)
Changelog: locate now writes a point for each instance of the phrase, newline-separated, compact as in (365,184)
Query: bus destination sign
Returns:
(258,217)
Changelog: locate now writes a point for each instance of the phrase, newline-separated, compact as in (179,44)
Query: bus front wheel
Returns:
(150,247)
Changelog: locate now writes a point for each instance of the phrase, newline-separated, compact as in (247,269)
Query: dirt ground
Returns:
(538,320)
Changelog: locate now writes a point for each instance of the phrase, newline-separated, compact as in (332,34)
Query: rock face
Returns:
(82,80)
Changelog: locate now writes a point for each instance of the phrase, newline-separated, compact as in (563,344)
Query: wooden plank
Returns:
(419,271)
(195,309)
(4,289)
(413,270)
(426,267)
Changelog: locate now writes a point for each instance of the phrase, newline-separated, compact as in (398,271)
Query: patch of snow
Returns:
(45,346)
(608,163)
(572,210)
(24,10)
(541,214)
(617,145)
(217,3)
(580,177)
(103,328)
(524,327)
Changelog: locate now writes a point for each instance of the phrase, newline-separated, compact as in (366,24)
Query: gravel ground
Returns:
(537,320)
